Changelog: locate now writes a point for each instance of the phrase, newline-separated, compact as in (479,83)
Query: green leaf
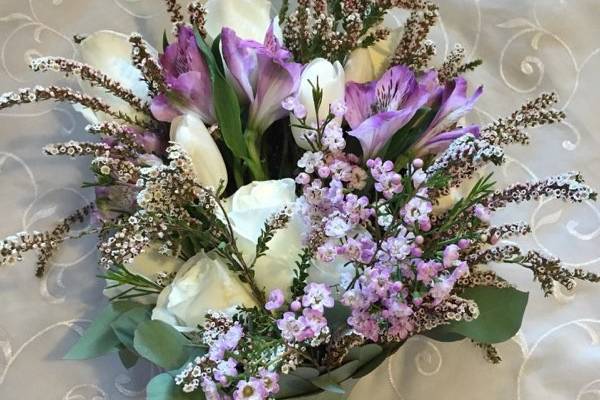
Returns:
(376,361)
(161,344)
(99,338)
(128,357)
(125,326)
(227,107)
(365,353)
(216,51)
(337,316)
(305,372)
(291,386)
(409,134)
(163,387)
(165,40)
(442,334)
(330,381)
(500,314)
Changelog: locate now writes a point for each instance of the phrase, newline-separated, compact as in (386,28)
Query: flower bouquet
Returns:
(278,210)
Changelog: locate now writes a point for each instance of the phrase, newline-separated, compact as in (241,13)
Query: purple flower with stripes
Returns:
(378,109)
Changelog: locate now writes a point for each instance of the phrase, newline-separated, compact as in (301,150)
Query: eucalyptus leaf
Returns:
(370,366)
(128,358)
(333,378)
(444,334)
(500,314)
(305,372)
(126,324)
(161,344)
(365,353)
(291,386)
(163,387)
(99,338)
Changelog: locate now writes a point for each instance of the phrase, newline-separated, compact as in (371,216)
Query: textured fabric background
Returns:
(528,47)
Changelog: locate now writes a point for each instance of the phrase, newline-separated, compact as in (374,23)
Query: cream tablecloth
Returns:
(528,46)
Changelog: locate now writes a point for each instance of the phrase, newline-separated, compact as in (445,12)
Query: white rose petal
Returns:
(332,81)
(110,52)
(365,65)
(248,210)
(202,284)
(248,18)
(148,265)
(191,134)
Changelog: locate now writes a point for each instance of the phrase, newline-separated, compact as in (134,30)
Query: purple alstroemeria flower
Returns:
(263,75)
(378,109)
(186,73)
(453,104)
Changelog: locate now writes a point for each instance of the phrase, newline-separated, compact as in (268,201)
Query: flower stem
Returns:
(253,139)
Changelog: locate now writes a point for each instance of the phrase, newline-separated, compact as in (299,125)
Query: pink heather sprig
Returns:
(305,320)
(387,181)
(384,298)
(218,373)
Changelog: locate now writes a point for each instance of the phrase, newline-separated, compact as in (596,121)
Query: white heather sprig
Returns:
(568,186)
(76,149)
(56,93)
(462,158)
(144,61)
(123,171)
(44,243)
(91,75)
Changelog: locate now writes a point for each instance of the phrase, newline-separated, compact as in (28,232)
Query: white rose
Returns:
(191,134)
(248,18)
(331,80)
(110,52)
(365,65)
(202,284)
(248,210)
(446,202)
(148,265)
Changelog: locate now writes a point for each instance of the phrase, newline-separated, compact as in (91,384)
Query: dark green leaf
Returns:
(408,135)
(165,40)
(500,314)
(99,338)
(216,51)
(161,344)
(227,107)
(125,326)
(162,387)
(306,372)
(128,357)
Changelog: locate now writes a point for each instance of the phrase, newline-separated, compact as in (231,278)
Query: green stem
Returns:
(253,139)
